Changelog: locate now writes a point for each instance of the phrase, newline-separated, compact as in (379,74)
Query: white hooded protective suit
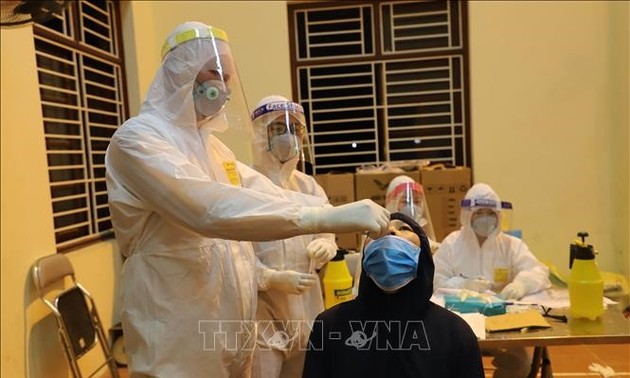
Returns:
(178,208)
(501,259)
(405,195)
(279,311)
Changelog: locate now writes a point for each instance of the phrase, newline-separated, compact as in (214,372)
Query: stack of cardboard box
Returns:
(373,184)
(444,189)
(340,190)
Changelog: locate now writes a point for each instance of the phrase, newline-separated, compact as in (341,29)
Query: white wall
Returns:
(257,31)
(549,94)
(26,211)
(550,114)
(27,223)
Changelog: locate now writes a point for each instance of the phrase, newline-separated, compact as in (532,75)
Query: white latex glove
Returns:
(478,284)
(321,250)
(364,215)
(291,282)
(514,290)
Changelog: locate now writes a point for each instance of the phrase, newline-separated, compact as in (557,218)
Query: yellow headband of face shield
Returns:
(188,35)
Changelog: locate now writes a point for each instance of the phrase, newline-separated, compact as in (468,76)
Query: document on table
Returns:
(553,298)
(477,322)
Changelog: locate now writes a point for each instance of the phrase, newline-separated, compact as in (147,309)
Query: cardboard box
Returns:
(373,185)
(339,188)
(444,190)
(347,241)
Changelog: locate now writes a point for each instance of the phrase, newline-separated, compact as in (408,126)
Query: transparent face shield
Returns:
(285,131)
(285,136)
(217,91)
(506,216)
(307,158)
(485,214)
(473,204)
(407,198)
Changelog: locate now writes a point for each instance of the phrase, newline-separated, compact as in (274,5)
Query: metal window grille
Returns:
(80,70)
(382,81)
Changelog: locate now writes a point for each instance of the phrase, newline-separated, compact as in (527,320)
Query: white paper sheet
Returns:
(553,298)
(477,322)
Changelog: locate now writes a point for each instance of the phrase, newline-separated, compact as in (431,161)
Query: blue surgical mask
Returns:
(391,262)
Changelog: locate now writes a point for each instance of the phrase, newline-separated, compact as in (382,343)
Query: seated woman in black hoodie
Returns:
(392,329)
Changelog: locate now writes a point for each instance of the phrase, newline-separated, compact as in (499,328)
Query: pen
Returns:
(521,303)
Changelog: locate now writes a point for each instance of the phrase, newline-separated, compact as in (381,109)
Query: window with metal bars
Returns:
(382,81)
(82,89)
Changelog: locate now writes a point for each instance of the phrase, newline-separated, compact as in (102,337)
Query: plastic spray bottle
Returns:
(337,281)
(586,287)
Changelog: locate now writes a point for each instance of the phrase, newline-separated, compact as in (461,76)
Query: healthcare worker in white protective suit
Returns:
(289,296)
(181,208)
(480,257)
(405,195)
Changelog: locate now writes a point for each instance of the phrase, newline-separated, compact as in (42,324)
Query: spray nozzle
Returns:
(580,250)
(341,255)
(583,236)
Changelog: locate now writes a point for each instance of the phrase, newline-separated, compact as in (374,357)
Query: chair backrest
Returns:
(74,309)
(50,270)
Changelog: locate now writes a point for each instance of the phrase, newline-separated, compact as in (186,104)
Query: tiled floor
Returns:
(569,361)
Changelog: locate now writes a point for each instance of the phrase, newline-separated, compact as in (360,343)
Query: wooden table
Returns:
(611,328)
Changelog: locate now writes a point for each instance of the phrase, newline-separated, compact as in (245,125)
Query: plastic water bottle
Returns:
(337,281)
(586,287)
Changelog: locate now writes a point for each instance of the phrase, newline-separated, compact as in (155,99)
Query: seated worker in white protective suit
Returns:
(289,295)
(182,207)
(406,196)
(480,257)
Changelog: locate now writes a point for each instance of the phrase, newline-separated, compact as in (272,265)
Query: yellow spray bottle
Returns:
(586,287)
(337,281)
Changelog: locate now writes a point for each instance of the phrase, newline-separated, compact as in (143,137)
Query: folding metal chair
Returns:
(79,326)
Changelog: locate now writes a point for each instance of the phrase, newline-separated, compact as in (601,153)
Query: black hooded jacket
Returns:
(393,335)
